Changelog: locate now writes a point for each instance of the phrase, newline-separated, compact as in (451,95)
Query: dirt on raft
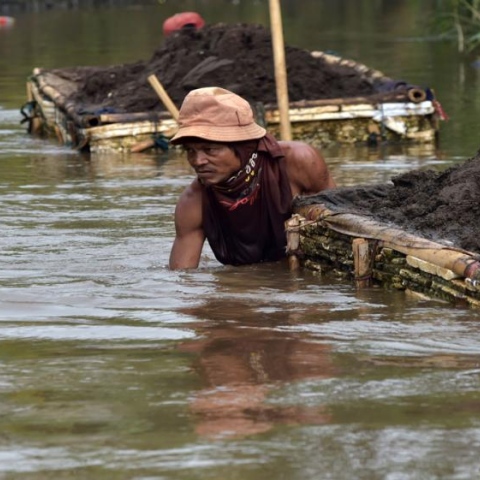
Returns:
(237,57)
(441,206)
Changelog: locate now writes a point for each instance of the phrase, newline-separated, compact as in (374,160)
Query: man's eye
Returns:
(211,150)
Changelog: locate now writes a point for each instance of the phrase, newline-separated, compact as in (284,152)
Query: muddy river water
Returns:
(112,366)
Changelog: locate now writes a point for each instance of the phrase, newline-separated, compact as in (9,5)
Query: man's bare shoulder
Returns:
(188,212)
(306,168)
(296,151)
(191,193)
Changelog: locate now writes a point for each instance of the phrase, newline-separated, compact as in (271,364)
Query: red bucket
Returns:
(181,20)
(6,21)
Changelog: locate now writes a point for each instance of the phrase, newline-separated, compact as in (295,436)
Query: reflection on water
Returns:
(302,358)
(243,356)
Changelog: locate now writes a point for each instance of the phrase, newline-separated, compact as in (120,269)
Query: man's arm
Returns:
(306,169)
(189,234)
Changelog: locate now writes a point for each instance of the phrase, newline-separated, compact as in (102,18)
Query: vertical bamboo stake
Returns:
(29,92)
(362,262)
(36,123)
(280,69)
(37,126)
(292,227)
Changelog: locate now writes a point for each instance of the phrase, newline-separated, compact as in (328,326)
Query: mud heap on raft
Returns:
(235,57)
(420,233)
(331,99)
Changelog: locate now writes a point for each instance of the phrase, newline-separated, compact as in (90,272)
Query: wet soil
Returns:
(441,206)
(237,57)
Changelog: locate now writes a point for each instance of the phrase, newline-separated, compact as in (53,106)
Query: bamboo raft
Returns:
(404,115)
(370,253)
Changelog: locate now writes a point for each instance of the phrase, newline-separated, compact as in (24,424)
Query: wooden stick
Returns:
(293,241)
(169,105)
(142,146)
(164,97)
(362,260)
(360,68)
(280,69)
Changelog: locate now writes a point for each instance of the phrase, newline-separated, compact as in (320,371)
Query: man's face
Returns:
(213,162)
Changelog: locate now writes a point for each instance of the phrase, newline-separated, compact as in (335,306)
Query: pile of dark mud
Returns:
(441,206)
(237,57)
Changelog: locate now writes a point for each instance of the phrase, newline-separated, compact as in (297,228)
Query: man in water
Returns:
(245,183)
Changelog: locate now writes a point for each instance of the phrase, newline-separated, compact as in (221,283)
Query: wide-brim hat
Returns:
(217,115)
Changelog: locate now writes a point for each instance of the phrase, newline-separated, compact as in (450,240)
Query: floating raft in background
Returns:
(406,115)
(50,114)
(370,252)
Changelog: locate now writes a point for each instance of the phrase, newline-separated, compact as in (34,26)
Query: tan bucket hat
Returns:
(217,115)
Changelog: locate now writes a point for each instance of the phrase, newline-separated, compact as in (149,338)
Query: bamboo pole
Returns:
(396,96)
(417,95)
(280,69)
(60,101)
(461,262)
(133,117)
(29,92)
(169,105)
(360,68)
(167,101)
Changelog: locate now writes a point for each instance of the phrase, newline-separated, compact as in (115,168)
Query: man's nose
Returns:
(198,158)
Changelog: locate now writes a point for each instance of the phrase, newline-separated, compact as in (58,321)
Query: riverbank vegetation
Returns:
(460,20)
(451,20)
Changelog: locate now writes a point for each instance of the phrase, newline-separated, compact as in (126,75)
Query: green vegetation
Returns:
(460,19)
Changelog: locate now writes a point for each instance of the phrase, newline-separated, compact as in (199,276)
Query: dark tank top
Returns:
(243,217)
